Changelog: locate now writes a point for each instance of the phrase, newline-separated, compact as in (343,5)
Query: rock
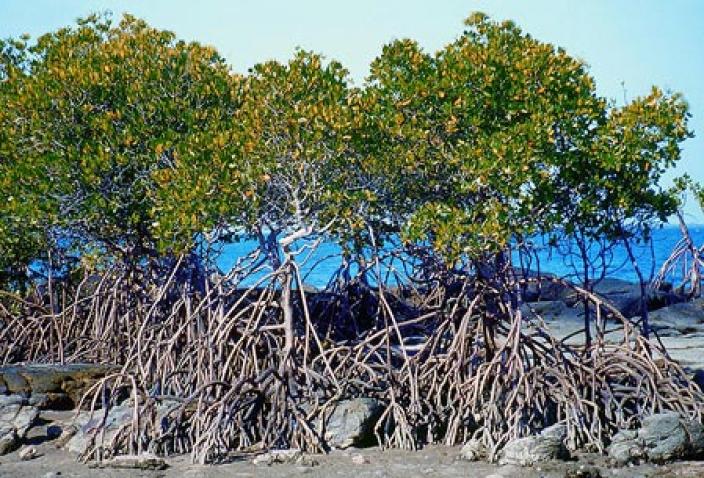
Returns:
(613,286)
(543,289)
(7,400)
(28,453)
(695,433)
(51,401)
(623,295)
(557,431)
(52,474)
(15,421)
(59,382)
(473,450)
(662,437)
(550,310)
(278,457)
(79,435)
(8,440)
(547,446)
(306,461)
(65,435)
(698,378)
(145,461)
(583,471)
(625,447)
(352,422)
(88,425)
(686,318)
(360,459)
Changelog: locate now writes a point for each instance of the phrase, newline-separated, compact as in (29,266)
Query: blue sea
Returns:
(321,266)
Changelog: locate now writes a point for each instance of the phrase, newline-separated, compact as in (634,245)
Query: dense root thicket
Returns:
(254,360)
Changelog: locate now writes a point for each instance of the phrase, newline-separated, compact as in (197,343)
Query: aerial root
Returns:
(205,373)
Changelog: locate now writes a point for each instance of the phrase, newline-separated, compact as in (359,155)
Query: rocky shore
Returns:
(44,428)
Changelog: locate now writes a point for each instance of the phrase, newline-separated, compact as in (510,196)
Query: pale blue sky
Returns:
(636,43)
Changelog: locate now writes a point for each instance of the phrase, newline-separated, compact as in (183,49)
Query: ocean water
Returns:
(319,267)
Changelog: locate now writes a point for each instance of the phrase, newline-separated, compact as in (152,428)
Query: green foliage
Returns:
(132,144)
(498,136)
(89,116)
(278,164)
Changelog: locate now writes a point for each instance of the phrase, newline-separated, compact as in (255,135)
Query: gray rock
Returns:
(352,422)
(612,286)
(583,471)
(65,435)
(145,461)
(626,447)
(9,440)
(15,420)
(544,289)
(551,310)
(557,432)
(695,432)
(473,450)
(662,437)
(71,380)
(278,457)
(7,400)
(88,427)
(28,453)
(623,295)
(698,378)
(686,318)
(547,446)
(51,401)
(81,434)
(360,459)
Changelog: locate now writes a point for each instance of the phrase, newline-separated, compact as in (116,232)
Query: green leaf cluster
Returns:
(121,139)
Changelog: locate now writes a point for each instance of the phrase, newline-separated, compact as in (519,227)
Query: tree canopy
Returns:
(89,117)
(122,140)
(499,136)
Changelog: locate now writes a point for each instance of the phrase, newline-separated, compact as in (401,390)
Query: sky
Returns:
(629,44)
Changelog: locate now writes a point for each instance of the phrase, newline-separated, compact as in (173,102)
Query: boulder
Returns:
(554,310)
(359,459)
(53,384)
(16,418)
(352,422)
(280,457)
(698,378)
(661,437)
(583,471)
(473,450)
(89,425)
(80,434)
(543,289)
(28,453)
(625,296)
(145,461)
(686,318)
(9,440)
(547,446)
